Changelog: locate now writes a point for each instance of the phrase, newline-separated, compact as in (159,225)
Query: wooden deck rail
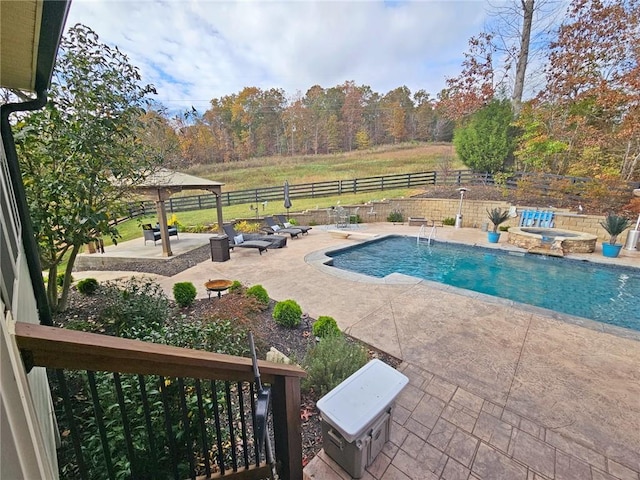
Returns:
(68,349)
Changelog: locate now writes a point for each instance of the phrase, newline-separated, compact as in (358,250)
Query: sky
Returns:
(195,50)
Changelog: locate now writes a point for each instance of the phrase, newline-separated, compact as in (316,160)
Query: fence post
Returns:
(435,178)
(408,180)
(355,185)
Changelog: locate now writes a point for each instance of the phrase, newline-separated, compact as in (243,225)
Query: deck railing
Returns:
(157,411)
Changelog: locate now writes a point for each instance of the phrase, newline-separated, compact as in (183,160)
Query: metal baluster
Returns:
(243,423)
(125,424)
(73,427)
(253,420)
(97,409)
(203,430)
(167,420)
(148,424)
(187,430)
(216,419)
(232,435)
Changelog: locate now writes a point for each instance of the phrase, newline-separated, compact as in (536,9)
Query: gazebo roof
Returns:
(163,183)
(168,179)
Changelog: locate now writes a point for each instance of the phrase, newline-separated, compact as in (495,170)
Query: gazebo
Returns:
(163,183)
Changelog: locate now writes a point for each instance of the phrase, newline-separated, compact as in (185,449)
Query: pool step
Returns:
(547,250)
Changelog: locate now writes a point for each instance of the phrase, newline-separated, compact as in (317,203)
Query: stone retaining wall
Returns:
(474,214)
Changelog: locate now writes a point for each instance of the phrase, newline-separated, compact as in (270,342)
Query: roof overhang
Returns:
(30,33)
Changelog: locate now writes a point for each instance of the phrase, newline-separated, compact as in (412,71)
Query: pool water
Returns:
(598,292)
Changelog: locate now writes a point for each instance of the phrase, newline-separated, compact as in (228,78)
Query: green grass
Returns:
(271,171)
(386,160)
(131,229)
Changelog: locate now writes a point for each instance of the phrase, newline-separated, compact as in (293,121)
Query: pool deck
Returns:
(497,390)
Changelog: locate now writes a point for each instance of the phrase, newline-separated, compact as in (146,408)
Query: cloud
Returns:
(193,51)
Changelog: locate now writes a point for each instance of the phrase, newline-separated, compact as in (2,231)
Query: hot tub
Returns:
(535,237)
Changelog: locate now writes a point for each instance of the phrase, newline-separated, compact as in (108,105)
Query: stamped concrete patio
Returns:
(497,390)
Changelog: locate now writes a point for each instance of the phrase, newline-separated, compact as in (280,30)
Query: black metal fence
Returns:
(150,426)
(546,184)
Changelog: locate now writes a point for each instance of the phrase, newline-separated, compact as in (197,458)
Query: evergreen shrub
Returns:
(324,327)
(287,313)
(184,293)
(87,286)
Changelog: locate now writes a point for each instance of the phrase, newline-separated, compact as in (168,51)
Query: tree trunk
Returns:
(523,55)
(66,285)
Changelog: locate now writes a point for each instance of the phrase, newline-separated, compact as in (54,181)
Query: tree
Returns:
(518,32)
(485,143)
(159,138)
(352,111)
(80,151)
(476,85)
(592,90)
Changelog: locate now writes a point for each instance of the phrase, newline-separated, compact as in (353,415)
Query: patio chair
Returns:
(237,240)
(273,227)
(285,223)
(153,233)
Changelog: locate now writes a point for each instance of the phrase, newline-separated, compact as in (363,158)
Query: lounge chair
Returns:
(237,240)
(276,241)
(285,224)
(272,227)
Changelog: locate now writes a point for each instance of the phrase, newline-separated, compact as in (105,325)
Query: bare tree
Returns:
(521,30)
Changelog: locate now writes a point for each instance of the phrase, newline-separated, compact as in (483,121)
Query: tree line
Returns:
(257,123)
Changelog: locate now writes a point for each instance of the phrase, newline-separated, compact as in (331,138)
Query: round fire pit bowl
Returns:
(218,285)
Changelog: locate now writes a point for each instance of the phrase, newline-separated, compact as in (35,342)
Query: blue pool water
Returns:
(597,292)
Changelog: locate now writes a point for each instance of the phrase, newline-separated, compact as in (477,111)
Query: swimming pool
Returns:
(598,292)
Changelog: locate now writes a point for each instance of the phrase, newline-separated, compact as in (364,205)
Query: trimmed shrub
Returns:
(87,286)
(184,293)
(259,293)
(236,286)
(325,327)
(287,313)
(330,362)
(449,221)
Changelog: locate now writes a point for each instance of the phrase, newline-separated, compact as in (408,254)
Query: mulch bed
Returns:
(267,333)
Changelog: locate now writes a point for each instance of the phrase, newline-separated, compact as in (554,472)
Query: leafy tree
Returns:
(352,112)
(79,151)
(593,89)
(485,142)
(475,86)
(362,139)
(537,149)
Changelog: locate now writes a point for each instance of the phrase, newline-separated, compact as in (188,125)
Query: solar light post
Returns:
(458,223)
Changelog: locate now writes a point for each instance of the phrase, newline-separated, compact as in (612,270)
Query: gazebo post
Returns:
(218,193)
(162,220)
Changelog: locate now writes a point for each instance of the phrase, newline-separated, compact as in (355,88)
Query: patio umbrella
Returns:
(287,199)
